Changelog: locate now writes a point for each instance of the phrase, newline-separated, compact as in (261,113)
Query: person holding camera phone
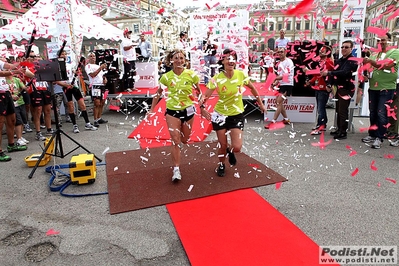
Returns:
(97,84)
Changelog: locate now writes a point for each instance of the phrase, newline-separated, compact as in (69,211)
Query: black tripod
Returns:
(51,71)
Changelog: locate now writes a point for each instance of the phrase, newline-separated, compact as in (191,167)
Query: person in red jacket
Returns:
(322,92)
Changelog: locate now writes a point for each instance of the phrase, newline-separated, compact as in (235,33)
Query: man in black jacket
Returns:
(342,77)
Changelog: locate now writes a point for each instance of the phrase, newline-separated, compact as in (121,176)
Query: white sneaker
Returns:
(368,139)
(376,144)
(20,142)
(89,126)
(27,128)
(394,143)
(176,175)
(39,136)
(75,129)
(25,140)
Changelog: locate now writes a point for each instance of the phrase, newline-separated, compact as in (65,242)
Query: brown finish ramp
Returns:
(140,179)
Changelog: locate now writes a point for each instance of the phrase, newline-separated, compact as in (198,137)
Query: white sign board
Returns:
(147,73)
(299,109)
(53,48)
(352,28)
(230,30)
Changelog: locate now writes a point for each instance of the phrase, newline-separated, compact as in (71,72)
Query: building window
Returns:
(279,26)
(270,43)
(3,22)
(334,26)
(271,26)
(298,26)
(288,25)
(254,47)
(263,27)
(397,23)
(136,28)
(262,47)
(307,25)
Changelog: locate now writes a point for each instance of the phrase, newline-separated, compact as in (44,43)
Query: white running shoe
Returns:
(25,140)
(75,129)
(39,136)
(28,128)
(368,139)
(176,175)
(394,143)
(89,126)
(20,142)
(376,144)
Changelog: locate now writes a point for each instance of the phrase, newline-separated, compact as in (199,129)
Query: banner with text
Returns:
(299,109)
(230,29)
(352,28)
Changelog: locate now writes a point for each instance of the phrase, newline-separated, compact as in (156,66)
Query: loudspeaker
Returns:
(114,85)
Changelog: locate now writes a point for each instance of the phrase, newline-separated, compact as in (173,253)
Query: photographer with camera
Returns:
(97,85)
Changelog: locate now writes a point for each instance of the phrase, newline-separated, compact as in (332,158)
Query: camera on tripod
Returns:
(51,70)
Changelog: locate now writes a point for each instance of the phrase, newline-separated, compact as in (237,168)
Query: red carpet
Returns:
(240,228)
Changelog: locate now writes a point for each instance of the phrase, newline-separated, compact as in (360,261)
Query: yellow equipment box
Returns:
(32,159)
(82,169)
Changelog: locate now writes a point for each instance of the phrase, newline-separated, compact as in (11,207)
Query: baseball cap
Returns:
(126,31)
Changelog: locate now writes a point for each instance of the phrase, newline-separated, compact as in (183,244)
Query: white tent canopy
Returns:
(42,17)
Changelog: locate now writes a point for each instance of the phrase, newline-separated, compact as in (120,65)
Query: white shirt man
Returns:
(129,58)
(282,41)
(128,51)
(182,43)
(97,83)
(98,79)
(145,48)
(285,72)
(285,69)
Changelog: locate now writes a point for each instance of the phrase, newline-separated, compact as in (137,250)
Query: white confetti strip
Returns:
(144,158)
(190,188)
(106,149)
(116,168)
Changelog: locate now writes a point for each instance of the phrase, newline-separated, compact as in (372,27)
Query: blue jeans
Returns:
(209,60)
(378,111)
(321,101)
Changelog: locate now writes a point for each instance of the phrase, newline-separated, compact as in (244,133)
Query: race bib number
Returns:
(218,118)
(3,84)
(190,110)
(96,92)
